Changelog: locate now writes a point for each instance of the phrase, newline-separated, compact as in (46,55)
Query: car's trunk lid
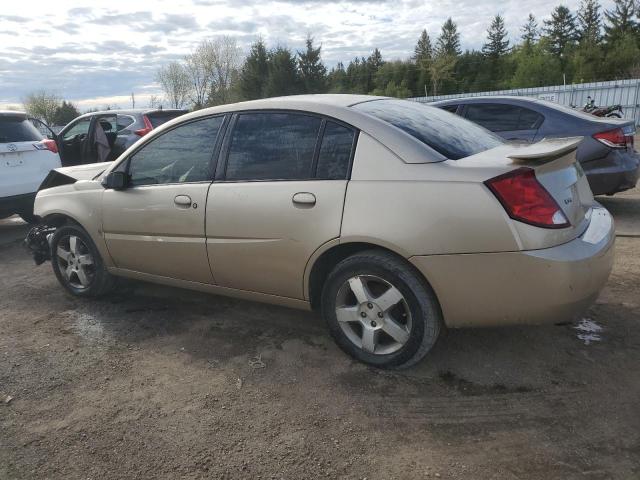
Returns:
(554,163)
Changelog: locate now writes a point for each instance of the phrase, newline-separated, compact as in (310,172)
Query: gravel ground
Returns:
(164,383)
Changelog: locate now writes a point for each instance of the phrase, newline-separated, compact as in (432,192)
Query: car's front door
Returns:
(278,197)
(511,122)
(71,141)
(157,224)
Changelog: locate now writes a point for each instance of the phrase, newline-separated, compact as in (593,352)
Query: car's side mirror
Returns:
(116,180)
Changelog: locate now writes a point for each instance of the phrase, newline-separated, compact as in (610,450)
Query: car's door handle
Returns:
(304,199)
(182,201)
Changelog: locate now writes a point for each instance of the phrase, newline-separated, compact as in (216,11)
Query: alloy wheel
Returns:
(75,261)
(373,314)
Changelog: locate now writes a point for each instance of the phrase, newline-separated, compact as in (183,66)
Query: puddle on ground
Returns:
(588,331)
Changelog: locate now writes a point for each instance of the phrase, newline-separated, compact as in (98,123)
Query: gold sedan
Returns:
(392,218)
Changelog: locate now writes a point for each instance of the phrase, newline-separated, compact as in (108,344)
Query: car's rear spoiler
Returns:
(546,149)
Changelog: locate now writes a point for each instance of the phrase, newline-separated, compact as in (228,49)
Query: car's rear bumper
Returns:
(530,287)
(616,172)
(16,204)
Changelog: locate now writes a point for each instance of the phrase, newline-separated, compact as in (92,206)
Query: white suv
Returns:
(26,158)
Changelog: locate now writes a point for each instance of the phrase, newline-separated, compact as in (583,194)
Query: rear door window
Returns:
(123,121)
(158,118)
(335,152)
(446,133)
(529,119)
(449,108)
(272,146)
(17,129)
(502,117)
(494,117)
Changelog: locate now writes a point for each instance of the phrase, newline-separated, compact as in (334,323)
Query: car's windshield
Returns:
(448,134)
(16,128)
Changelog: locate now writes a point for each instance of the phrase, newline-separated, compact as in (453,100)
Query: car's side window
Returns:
(80,127)
(502,118)
(123,121)
(180,155)
(335,152)
(529,119)
(272,146)
(450,108)
(494,117)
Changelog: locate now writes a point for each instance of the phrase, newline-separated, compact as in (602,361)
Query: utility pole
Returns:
(133,100)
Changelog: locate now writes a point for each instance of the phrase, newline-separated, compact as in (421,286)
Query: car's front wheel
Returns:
(77,263)
(380,310)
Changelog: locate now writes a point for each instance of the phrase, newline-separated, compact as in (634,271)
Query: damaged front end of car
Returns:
(37,243)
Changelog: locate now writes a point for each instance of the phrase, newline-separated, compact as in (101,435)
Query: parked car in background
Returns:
(26,157)
(607,153)
(390,217)
(103,136)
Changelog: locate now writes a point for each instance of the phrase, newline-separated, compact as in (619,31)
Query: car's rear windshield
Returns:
(158,118)
(448,134)
(16,128)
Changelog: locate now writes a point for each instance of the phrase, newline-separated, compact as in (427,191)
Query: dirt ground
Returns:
(164,383)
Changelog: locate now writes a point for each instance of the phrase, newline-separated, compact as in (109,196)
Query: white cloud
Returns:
(97,55)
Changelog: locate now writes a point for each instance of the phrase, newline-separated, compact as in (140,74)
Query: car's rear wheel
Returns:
(380,310)
(77,263)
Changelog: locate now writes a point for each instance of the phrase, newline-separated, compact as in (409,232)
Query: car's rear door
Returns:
(511,122)
(278,196)
(157,224)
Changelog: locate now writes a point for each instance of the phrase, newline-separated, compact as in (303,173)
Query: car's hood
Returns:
(84,172)
(70,175)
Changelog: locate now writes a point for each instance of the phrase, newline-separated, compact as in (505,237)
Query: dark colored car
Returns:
(606,154)
(81,141)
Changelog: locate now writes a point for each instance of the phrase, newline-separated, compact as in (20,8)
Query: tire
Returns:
(77,263)
(396,299)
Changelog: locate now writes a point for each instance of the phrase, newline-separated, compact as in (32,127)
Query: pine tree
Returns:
(313,73)
(337,79)
(375,60)
(283,74)
(620,21)
(65,113)
(589,22)
(560,30)
(254,73)
(449,40)
(423,51)
(530,32)
(497,41)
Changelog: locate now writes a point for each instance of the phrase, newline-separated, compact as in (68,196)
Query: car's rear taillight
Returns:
(48,144)
(147,127)
(526,200)
(615,138)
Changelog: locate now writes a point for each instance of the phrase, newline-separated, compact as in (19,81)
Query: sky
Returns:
(98,53)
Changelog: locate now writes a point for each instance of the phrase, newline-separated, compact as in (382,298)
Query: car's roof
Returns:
(134,111)
(484,98)
(13,113)
(536,103)
(330,105)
